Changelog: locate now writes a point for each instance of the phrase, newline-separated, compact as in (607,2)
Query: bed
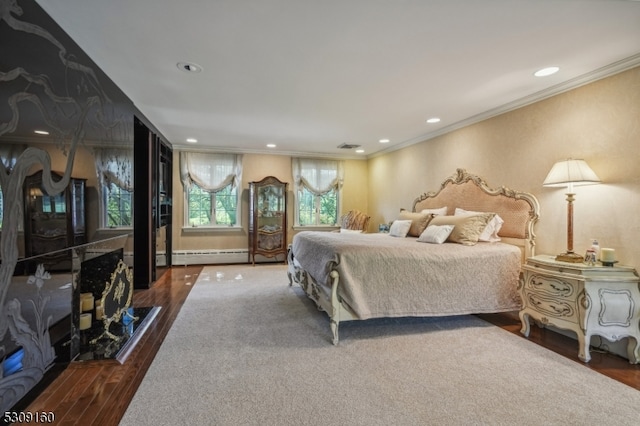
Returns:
(359,276)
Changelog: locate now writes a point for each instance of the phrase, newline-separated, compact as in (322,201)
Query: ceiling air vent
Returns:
(348,146)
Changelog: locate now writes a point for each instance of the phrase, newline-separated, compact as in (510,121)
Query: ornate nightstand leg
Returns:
(633,350)
(524,319)
(583,347)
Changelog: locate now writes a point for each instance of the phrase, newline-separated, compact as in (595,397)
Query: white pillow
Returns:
(490,233)
(436,234)
(350,231)
(442,211)
(400,228)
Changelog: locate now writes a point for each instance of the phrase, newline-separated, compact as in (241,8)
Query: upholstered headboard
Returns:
(519,210)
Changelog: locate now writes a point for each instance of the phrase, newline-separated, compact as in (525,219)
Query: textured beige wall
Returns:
(598,122)
(355,193)
(256,167)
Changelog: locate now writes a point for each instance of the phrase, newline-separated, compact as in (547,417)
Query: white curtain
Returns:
(318,176)
(210,171)
(114,165)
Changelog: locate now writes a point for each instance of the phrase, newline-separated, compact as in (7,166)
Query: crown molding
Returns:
(234,150)
(574,83)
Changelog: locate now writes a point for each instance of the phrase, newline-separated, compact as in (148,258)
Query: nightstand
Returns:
(588,300)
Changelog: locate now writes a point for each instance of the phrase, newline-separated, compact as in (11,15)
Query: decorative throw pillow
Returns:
(490,233)
(467,228)
(400,228)
(419,221)
(436,234)
(442,211)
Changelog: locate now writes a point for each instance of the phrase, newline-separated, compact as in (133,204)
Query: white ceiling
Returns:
(309,75)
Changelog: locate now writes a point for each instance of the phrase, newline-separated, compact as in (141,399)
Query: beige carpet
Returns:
(250,350)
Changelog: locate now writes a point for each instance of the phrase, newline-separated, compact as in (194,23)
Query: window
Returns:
(211,183)
(115,177)
(210,209)
(318,209)
(317,191)
(118,204)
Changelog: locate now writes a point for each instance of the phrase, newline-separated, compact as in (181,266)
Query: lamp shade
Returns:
(571,172)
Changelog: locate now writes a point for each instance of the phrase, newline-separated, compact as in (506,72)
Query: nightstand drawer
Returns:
(586,299)
(552,307)
(552,286)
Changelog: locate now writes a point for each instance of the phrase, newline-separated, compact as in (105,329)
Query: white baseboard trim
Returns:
(209,257)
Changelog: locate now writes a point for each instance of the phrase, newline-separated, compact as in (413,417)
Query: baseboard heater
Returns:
(209,257)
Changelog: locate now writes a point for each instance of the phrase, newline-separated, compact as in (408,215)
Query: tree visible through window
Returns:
(211,182)
(317,185)
(115,176)
(210,209)
(118,204)
(318,209)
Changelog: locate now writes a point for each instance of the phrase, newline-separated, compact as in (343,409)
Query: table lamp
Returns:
(570,173)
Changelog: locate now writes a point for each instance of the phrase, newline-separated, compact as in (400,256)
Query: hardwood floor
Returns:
(98,392)
(611,365)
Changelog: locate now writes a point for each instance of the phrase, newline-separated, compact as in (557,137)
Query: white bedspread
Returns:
(384,276)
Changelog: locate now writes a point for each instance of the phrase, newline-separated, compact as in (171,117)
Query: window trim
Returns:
(317,201)
(300,183)
(208,228)
(189,175)
(120,175)
(103,210)
(212,229)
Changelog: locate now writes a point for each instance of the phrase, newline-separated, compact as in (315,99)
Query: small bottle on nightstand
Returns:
(596,248)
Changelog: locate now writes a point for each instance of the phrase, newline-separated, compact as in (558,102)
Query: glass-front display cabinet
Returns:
(267,218)
(53,223)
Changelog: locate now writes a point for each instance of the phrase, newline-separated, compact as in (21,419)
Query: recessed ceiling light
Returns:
(546,71)
(271,145)
(189,67)
(192,140)
(433,120)
(359,151)
(41,132)
(384,140)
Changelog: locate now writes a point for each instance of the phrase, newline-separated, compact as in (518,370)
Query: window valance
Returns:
(114,165)
(318,176)
(210,171)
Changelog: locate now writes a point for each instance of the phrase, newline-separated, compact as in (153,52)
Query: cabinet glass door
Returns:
(268,218)
(270,213)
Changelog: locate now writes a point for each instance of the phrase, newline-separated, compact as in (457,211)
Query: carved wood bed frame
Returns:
(520,211)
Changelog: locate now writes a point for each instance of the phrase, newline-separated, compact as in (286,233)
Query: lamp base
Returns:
(570,257)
